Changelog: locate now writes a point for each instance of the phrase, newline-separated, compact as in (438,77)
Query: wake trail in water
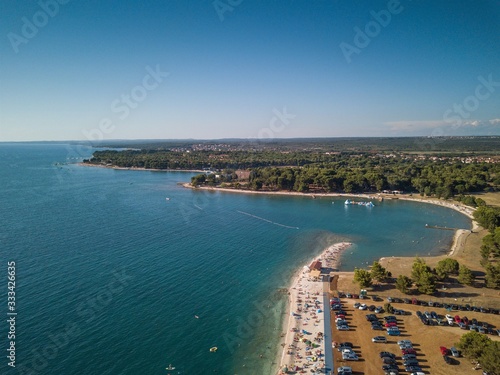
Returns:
(268,221)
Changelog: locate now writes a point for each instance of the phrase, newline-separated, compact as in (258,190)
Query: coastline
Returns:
(303,290)
(138,169)
(463,209)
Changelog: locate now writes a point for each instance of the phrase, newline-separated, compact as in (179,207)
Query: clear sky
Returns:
(76,70)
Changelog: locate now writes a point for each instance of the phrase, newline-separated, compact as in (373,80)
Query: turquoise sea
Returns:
(113,278)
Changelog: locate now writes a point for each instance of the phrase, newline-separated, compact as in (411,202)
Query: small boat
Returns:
(167,199)
(213,349)
(197,317)
(170,367)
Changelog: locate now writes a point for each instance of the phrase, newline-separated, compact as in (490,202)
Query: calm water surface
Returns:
(110,274)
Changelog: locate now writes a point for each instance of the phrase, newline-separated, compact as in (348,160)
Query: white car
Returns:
(401,342)
(379,339)
(350,357)
(344,370)
(362,306)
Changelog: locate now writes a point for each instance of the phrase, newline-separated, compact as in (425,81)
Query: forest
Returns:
(313,167)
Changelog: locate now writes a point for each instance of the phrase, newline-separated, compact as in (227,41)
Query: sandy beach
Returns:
(303,346)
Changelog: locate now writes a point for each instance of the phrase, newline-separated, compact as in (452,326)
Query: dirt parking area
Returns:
(426,339)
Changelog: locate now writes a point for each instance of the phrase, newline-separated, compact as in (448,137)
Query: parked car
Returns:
(379,310)
(344,370)
(343,328)
(454,352)
(413,368)
(356,305)
(447,359)
(350,357)
(401,342)
(408,356)
(346,343)
(443,350)
(394,332)
(387,354)
(409,351)
(362,306)
(379,339)
(390,367)
(388,361)
(410,362)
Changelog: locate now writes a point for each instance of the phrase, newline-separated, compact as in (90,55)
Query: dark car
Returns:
(447,359)
(389,367)
(388,361)
(410,362)
(348,344)
(406,300)
(409,356)
(387,354)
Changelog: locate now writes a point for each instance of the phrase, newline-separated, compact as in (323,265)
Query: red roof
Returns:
(316,265)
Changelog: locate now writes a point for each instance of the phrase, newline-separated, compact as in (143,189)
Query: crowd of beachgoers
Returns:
(304,346)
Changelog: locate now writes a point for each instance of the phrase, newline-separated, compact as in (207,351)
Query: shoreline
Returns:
(454,205)
(302,290)
(138,169)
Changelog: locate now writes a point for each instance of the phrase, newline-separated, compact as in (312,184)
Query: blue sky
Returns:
(77,70)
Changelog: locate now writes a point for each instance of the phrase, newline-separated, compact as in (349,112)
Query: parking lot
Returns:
(426,339)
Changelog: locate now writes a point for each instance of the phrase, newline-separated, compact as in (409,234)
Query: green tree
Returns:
(388,308)
(446,267)
(465,276)
(491,244)
(488,217)
(492,275)
(403,284)
(378,272)
(199,179)
(490,360)
(363,277)
(427,283)
(473,344)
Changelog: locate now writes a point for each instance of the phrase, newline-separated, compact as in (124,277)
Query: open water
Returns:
(113,278)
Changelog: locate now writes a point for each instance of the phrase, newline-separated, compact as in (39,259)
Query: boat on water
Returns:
(170,367)
(348,202)
(213,349)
